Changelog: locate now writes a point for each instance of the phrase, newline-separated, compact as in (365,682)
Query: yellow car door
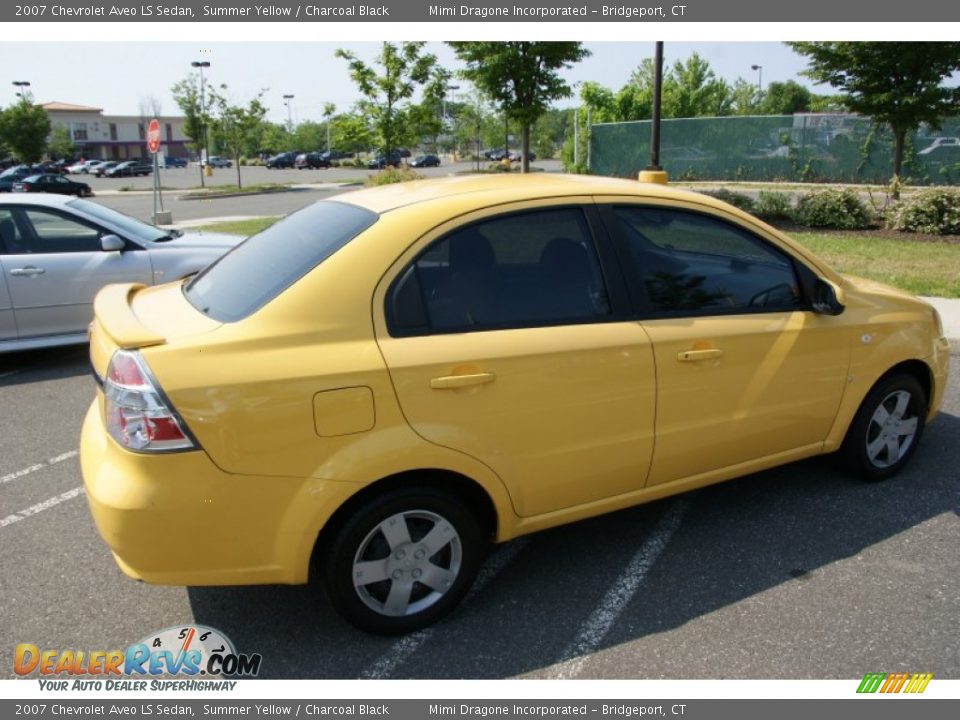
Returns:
(746,371)
(507,338)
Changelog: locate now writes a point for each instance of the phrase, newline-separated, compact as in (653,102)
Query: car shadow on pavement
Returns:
(20,368)
(772,530)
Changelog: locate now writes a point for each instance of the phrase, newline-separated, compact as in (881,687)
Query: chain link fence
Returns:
(827,147)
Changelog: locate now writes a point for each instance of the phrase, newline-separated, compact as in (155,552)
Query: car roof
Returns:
(42,199)
(496,189)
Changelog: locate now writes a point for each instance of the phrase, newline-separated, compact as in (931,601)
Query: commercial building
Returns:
(115,137)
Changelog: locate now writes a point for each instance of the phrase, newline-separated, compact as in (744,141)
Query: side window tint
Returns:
(525,269)
(693,262)
(10,240)
(54,233)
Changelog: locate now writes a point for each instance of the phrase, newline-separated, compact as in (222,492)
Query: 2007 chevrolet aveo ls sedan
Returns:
(377,386)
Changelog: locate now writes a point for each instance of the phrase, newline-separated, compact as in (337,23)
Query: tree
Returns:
(328,110)
(522,77)
(60,144)
(745,98)
(785,98)
(24,128)
(898,83)
(234,125)
(691,89)
(186,94)
(388,95)
(351,133)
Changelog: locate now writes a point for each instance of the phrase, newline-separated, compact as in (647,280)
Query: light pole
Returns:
(201,64)
(286,101)
(759,69)
(20,85)
(446,117)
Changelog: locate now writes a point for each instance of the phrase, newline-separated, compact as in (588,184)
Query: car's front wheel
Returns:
(887,428)
(403,560)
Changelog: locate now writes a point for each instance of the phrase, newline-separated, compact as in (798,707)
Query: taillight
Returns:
(138,416)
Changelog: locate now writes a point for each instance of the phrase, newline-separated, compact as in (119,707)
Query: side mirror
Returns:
(112,243)
(827,298)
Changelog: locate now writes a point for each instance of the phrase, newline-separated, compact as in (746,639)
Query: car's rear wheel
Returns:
(403,560)
(887,428)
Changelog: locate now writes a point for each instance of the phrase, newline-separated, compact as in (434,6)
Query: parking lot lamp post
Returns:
(286,101)
(21,86)
(653,172)
(759,69)
(204,150)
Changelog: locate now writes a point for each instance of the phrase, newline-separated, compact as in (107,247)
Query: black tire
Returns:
(451,567)
(887,428)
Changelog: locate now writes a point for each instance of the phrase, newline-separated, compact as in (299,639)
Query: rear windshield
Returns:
(266,264)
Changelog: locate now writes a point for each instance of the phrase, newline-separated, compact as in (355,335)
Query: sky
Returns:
(119,76)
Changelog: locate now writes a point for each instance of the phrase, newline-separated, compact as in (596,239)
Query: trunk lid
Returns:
(132,316)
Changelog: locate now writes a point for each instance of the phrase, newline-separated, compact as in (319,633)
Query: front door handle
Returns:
(695,355)
(28,271)
(448,382)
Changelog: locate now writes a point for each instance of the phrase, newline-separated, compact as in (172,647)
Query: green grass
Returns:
(919,267)
(922,268)
(246,228)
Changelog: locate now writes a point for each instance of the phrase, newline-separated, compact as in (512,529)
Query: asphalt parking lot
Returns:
(797,572)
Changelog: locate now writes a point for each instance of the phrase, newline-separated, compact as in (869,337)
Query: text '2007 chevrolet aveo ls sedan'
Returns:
(377,386)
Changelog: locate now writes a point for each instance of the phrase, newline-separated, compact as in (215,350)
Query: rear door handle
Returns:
(695,355)
(27,271)
(448,382)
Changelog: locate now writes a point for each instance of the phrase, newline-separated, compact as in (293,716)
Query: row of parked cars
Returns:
(300,160)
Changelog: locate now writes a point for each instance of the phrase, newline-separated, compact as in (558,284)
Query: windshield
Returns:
(266,264)
(126,224)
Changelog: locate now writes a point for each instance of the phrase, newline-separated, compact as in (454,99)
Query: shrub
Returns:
(392,175)
(243,160)
(738,200)
(773,206)
(842,209)
(936,212)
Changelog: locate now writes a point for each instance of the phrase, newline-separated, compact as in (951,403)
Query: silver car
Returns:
(57,252)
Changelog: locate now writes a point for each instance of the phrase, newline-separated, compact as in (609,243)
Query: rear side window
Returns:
(266,264)
(520,270)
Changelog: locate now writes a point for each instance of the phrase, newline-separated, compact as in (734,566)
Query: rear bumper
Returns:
(178,519)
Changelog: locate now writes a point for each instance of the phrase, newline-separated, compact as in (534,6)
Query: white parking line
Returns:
(603,617)
(39,466)
(406,646)
(41,506)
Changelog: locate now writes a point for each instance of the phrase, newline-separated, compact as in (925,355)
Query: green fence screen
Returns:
(801,148)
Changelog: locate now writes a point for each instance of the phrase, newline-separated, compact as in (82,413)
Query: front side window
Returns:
(519,270)
(692,263)
(56,233)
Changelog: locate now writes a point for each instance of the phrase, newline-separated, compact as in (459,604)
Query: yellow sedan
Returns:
(376,387)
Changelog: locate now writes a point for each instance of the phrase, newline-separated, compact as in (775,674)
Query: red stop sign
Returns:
(153,136)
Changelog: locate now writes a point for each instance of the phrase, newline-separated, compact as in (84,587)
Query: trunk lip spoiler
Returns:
(123,327)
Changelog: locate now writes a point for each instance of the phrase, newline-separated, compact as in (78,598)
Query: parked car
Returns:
(57,252)
(81,167)
(219,162)
(174,162)
(517,156)
(13,175)
(495,154)
(378,162)
(465,360)
(57,184)
(421,161)
(336,155)
(103,168)
(311,160)
(130,168)
(282,160)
